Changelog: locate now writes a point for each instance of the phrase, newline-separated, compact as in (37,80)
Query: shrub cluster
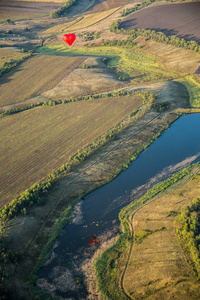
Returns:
(32,196)
(142,234)
(162,106)
(63,9)
(7,256)
(129,42)
(188,230)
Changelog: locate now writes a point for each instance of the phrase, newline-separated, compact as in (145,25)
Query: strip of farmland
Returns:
(34,76)
(25,9)
(167,19)
(36,142)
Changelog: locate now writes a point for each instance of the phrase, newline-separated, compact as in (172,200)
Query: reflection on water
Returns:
(63,275)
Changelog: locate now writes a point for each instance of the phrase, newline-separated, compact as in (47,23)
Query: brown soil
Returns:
(22,9)
(35,76)
(82,81)
(29,234)
(182,19)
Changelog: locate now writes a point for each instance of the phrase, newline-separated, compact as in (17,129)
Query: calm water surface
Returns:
(97,214)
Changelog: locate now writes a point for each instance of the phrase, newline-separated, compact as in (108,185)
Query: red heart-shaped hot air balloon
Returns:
(69,38)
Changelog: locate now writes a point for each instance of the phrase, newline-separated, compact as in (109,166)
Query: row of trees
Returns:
(7,66)
(127,11)
(188,230)
(63,9)
(63,101)
(156,36)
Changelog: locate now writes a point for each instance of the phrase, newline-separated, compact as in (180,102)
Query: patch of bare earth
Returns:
(82,81)
(34,76)
(89,175)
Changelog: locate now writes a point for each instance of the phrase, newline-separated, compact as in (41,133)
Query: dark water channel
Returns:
(178,147)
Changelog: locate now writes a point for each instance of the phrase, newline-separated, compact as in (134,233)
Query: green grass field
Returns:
(38,141)
(34,76)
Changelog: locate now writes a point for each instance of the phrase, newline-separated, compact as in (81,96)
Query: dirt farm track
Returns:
(182,20)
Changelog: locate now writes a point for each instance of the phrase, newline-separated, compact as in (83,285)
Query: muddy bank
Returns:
(29,234)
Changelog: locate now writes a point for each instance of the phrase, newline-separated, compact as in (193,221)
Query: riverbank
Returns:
(31,233)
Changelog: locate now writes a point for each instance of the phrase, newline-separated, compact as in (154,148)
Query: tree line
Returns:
(63,9)
(156,36)
(7,66)
(188,230)
(63,101)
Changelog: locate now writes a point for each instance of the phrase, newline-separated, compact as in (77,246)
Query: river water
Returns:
(176,148)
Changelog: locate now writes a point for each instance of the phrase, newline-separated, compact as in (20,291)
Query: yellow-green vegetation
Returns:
(173,58)
(134,64)
(188,227)
(186,62)
(34,76)
(81,22)
(7,55)
(38,141)
(153,263)
(192,83)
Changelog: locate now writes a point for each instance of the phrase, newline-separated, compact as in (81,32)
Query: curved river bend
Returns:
(176,148)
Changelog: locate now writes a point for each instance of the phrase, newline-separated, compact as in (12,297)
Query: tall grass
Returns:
(192,83)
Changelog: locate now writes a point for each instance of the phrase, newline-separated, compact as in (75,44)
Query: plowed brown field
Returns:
(34,76)
(182,19)
(21,9)
(35,142)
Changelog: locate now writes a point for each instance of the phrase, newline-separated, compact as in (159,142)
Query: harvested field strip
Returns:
(172,57)
(34,76)
(160,251)
(25,9)
(108,4)
(140,66)
(84,22)
(192,83)
(6,55)
(36,142)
